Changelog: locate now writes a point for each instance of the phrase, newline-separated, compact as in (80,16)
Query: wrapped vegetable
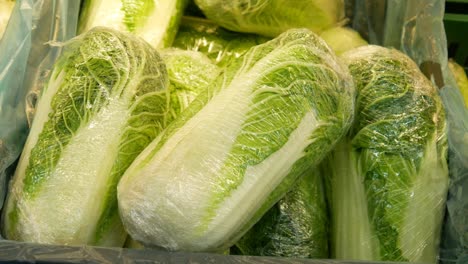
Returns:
(297,226)
(25,64)
(190,73)
(388,178)
(220,45)
(154,21)
(342,39)
(272,17)
(6,7)
(105,101)
(239,147)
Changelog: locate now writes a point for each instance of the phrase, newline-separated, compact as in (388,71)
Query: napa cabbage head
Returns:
(387,180)
(156,21)
(239,146)
(272,17)
(105,101)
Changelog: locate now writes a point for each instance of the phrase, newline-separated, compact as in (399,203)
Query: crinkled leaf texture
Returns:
(156,21)
(296,226)
(239,146)
(190,73)
(272,17)
(106,100)
(388,178)
(220,45)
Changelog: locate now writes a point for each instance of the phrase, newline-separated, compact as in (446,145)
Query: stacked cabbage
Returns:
(228,138)
(109,96)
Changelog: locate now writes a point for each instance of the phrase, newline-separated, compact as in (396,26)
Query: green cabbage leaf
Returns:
(190,73)
(273,17)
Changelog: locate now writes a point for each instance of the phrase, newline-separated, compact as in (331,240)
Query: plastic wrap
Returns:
(220,45)
(272,17)
(243,144)
(154,21)
(190,73)
(416,27)
(105,101)
(387,181)
(6,7)
(297,226)
(375,20)
(25,62)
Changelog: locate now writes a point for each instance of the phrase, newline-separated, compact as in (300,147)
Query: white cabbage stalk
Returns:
(239,147)
(6,7)
(156,21)
(342,39)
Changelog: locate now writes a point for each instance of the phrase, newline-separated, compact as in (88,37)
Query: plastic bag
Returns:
(25,63)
